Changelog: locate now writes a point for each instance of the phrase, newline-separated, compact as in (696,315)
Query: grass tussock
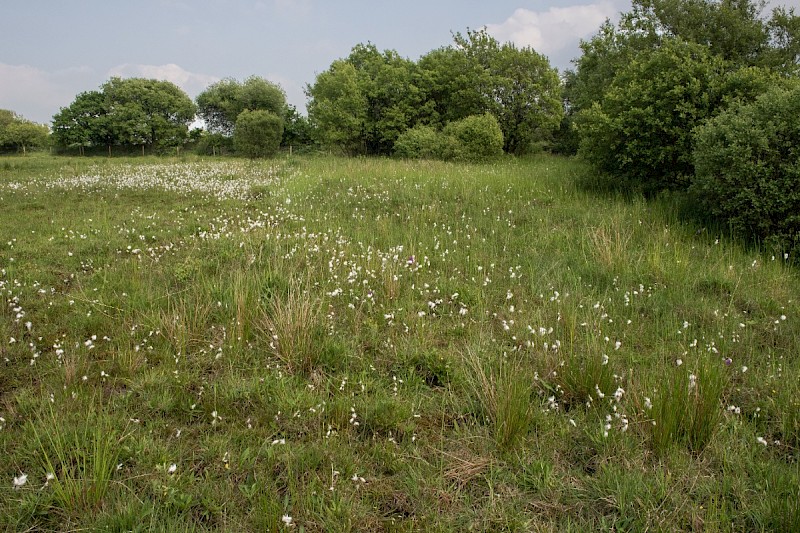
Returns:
(79,459)
(502,388)
(293,321)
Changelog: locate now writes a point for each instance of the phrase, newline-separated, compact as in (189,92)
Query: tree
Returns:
(258,133)
(6,117)
(640,131)
(337,108)
(17,133)
(447,79)
(126,112)
(84,123)
(748,167)
(365,101)
(148,112)
(734,30)
(526,97)
(221,103)
(478,75)
(296,128)
(25,134)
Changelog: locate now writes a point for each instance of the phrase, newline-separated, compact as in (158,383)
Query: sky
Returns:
(52,50)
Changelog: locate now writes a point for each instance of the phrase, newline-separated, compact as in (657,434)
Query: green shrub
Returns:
(748,168)
(641,130)
(475,138)
(258,133)
(479,137)
(214,144)
(420,142)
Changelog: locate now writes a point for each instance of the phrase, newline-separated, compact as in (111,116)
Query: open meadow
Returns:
(326,344)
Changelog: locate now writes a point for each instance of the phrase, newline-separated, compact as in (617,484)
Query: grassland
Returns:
(325,344)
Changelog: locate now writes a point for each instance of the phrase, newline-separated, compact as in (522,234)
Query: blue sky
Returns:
(52,50)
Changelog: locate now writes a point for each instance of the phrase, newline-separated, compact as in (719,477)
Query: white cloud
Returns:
(37,94)
(555,31)
(192,83)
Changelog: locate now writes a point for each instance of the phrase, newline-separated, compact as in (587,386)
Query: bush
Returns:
(258,133)
(641,130)
(213,144)
(747,164)
(479,136)
(475,138)
(420,142)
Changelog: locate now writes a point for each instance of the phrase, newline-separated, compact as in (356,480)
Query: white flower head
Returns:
(19,481)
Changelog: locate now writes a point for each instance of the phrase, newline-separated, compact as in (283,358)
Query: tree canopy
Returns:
(734,30)
(364,102)
(126,112)
(258,133)
(18,133)
(642,86)
(221,103)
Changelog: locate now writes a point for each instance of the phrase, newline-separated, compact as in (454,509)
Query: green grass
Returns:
(379,345)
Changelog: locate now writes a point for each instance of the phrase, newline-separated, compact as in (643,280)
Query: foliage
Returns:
(296,128)
(748,168)
(222,102)
(126,112)
(337,108)
(258,133)
(517,86)
(475,138)
(84,123)
(365,101)
(640,132)
(608,52)
(213,144)
(17,133)
(419,142)
(150,112)
(425,142)
(479,137)
(733,30)
(449,81)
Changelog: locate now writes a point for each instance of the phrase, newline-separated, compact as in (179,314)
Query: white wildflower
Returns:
(618,393)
